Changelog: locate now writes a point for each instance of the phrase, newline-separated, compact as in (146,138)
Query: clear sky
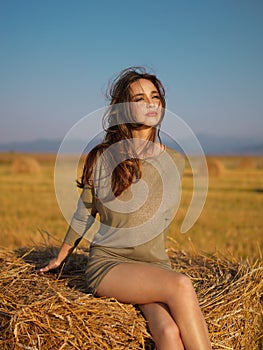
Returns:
(57,56)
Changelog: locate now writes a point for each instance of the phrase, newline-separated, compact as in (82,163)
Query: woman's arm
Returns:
(82,221)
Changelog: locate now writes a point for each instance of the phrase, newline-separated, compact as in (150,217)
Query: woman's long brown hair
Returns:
(118,125)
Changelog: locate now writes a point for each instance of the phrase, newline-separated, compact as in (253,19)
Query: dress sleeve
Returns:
(83,217)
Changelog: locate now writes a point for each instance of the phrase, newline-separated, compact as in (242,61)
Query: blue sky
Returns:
(56,58)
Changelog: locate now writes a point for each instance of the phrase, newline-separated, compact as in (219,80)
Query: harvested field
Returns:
(231,220)
(52,311)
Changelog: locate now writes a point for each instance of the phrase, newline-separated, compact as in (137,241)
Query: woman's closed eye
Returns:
(139,99)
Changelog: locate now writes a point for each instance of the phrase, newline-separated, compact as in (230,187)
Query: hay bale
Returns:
(25,165)
(246,163)
(215,167)
(44,311)
(229,293)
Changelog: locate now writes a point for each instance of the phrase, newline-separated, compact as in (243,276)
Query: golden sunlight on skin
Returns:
(147,110)
(147,107)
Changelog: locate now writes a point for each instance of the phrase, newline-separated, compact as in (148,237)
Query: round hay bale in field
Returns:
(246,163)
(26,165)
(50,311)
(215,167)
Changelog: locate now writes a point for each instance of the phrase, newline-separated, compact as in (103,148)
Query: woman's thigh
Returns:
(140,283)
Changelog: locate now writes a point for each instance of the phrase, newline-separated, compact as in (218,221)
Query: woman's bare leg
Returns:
(163,328)
(145,283)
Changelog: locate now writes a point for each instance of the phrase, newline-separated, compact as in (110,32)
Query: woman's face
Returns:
(146,106)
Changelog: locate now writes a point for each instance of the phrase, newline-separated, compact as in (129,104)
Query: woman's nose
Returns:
(150,103)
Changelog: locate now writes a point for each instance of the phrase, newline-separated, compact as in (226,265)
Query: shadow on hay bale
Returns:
(25,165)
(51,311)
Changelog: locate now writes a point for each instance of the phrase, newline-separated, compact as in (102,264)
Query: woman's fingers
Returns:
(53,264)
(44,269)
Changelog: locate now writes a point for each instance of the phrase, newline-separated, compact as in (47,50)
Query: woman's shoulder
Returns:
(174,153)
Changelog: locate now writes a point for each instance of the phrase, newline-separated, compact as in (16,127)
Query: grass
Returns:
(230,221)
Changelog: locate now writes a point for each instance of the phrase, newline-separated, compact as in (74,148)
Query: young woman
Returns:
(132,182)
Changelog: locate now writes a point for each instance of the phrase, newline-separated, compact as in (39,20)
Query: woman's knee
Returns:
(182,284)
(168,333)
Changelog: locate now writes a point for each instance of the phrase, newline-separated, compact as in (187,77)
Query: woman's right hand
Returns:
(53,264)
(63,253)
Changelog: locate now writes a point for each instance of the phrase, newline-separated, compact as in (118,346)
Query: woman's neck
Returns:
(142,133)
(143,145)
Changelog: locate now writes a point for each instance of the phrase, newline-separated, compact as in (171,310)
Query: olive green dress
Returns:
(132,227)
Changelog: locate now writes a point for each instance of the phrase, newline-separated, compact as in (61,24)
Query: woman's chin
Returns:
(149,122)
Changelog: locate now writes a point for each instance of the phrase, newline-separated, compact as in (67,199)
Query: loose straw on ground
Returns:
(52,311)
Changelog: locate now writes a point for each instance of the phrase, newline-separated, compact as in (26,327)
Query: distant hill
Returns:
(37,146)
(216,145)
(230,145)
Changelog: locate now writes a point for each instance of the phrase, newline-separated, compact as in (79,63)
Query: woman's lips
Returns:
(151,114)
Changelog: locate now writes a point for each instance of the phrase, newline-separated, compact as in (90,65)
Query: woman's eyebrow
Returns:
(137,95)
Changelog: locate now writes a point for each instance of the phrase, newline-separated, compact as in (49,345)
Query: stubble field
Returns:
(231,221)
